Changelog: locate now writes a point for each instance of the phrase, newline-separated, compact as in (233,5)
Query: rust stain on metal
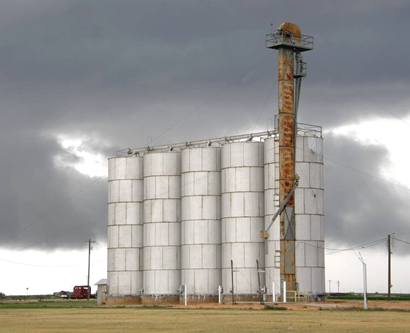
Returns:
(291,28)
(287,143)
(290,42)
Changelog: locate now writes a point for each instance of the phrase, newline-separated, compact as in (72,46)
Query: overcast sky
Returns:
(81,79)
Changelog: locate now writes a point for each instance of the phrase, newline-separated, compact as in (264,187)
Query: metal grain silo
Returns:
(310,266)
(201,224)
(310,271)
(272,243)
(125,200)
(162,225)
(242,217)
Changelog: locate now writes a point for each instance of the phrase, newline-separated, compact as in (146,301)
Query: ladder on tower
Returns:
(276,174)
(276,202)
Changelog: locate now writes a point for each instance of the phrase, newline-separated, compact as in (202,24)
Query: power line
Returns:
(375,176)
(400,240)
(353,248)
(359,246)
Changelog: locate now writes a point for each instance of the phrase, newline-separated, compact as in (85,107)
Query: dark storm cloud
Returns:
(44,206)
(361,205)
(132,73)
(152,50)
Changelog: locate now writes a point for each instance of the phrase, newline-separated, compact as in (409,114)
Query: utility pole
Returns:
(389,266)
(338,286)
(365,305)
(89,264)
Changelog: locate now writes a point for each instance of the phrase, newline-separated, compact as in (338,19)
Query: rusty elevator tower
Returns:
(290,43)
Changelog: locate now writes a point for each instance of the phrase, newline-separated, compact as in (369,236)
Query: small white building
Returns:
(102,291)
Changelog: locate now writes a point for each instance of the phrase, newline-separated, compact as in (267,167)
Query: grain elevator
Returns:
(232,219)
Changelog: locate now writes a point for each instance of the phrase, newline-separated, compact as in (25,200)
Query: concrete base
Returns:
(118,300)
(197,299)
(300,299)
(178,299)
(160,299)
(227,299)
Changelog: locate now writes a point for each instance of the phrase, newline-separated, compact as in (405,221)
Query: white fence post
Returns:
(219,294)
(185,295)
(273,293)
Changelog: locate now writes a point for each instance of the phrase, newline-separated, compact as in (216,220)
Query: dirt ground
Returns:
(330,305)
(208,318)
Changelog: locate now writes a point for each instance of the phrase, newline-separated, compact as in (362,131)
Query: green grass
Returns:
(370,297)
(141,320)
(48,304)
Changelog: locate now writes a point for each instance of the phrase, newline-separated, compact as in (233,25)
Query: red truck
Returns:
(80,292)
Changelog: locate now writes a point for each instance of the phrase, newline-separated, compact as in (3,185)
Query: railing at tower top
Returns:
(303,130)
(309,130)
(280,38)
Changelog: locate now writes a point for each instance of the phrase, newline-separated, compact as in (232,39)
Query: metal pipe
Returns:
(232,291)
(203,142)
(259,282)
(185,295)
(303,129)
(285,292)
(279,211)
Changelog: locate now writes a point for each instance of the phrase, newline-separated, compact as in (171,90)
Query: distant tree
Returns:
(2,295)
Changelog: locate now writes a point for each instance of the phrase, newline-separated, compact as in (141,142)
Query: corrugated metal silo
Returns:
(272,244)
(310,271)
(201,224)
(125,197)
(242,216)
(310,266)
(162,225)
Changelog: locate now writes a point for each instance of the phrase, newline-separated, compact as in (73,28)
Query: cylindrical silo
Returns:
(310,266)
(242,218)
(201,224)
(162,226)
(310,271)
(272,243)
(125,201)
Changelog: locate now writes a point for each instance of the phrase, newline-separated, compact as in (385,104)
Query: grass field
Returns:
(197,320)
(47,304)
